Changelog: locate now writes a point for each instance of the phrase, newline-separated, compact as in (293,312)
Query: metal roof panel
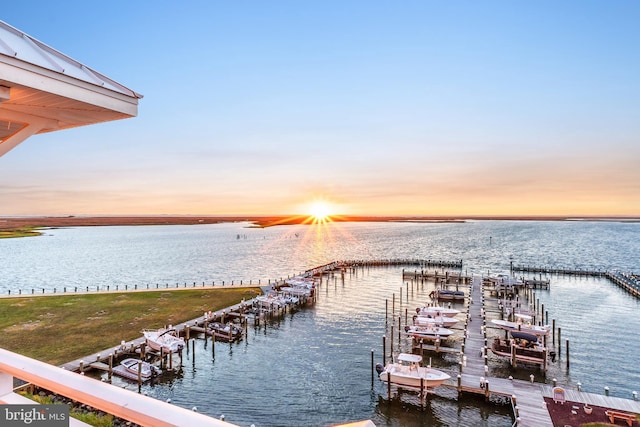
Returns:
(19,45)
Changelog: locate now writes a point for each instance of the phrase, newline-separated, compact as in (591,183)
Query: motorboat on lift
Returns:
(447,322)
(147,370)
(429,332)
(407,372)
(437,311)
(270,301)
(525,347)
(527,327)
(166,340)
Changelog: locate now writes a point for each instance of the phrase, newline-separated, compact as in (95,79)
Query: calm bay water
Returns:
(312,367)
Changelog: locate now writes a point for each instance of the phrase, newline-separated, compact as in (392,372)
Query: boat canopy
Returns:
(524,336)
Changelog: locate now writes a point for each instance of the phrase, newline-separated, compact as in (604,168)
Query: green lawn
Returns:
(59,328)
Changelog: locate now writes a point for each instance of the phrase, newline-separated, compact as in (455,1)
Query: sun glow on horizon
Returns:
(320,211)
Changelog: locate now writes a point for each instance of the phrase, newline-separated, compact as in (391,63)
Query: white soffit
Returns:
(43,90)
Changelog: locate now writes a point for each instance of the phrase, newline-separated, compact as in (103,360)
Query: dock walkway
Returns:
(528,399)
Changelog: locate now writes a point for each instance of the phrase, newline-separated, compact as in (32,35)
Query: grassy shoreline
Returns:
(58,328)
(19,232)
(30,226)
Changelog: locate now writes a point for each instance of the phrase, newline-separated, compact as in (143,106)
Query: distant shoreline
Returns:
(22,224)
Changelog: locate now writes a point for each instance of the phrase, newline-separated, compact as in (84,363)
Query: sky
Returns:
(422,108)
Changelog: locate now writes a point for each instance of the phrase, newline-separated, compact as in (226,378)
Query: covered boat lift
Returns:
(43,90)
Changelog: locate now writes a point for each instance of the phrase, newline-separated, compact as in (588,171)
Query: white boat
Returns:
(407,372)
(522,326)
(429,332)
(504,282)
(147,370)
(300,286)
(270,301)
(447,322)
(292,291)
(165,339)
(437,311)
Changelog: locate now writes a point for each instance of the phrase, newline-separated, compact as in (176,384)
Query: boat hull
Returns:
(429,333)
(521,327)
(422,377)
(447,322)
(146,369)
(163,340)
(438,312)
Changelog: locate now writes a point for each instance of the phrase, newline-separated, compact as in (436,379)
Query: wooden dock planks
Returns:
(475,339)
(531,408)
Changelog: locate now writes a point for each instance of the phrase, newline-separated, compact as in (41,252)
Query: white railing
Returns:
(125,404)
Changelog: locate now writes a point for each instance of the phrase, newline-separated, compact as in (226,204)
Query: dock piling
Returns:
(110,371)
(372,367)
(559,342)
(386,310)
(393,305)
(384,354)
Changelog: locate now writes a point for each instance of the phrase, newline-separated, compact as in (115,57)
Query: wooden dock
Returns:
(445,277)
(472,377)
(420,346)
(627,281)
(559,271)
(343,265)
(527,398)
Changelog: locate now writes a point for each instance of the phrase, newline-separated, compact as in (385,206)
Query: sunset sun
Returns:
(320,211)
